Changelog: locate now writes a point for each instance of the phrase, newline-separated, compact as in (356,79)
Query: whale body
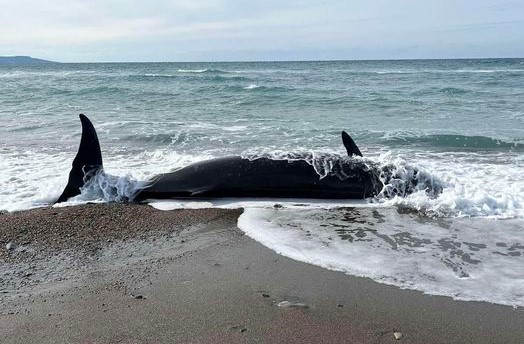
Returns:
(262,177)
(235,176)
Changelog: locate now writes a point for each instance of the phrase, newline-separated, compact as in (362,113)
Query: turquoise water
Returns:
(447,116)
(459,122)
(424,103)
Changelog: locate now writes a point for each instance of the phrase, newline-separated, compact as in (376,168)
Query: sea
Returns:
(459,122)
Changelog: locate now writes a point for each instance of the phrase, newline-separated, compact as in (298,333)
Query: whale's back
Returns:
(262,177)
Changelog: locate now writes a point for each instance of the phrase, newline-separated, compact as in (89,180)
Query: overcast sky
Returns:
(221,30)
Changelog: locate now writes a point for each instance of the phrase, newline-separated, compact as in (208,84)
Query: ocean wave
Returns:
(105,187)
(453,141)
(158,139)
(260,88)
(101,90)
(324,163)
(205,70)
(488,71)
(393,72)
(466,188)
(156,75)
(432,71)
(452,91)
(282,91)
(187,134)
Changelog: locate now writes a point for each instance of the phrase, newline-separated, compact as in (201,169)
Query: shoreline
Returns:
(127,273)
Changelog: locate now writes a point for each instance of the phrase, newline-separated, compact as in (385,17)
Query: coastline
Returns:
(127,273)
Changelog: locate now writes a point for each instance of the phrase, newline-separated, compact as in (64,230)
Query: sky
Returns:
(234,30)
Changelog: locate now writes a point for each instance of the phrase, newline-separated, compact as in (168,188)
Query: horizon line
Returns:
(291,60)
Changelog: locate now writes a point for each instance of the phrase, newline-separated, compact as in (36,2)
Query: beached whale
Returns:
(348,178)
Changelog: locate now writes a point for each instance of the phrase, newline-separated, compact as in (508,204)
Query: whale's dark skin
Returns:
(238,177)
(262,177)
(88,160)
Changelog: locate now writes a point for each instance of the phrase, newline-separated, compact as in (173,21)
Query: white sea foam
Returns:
(253,203)
(466,259)
(159,75)
(394,72)
(488,70)
(191,70)
(324,163)
(35,178)
(30,179)
(435,71)
(471,186)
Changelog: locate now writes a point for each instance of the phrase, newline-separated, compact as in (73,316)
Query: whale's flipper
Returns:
(87,162)
(350,145)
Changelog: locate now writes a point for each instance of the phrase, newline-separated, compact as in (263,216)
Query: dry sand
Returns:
(121,273)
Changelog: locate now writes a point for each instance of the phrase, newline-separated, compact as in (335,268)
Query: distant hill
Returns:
(22,60)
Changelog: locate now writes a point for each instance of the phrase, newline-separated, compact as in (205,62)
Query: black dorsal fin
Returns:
(350,145)
(87,162)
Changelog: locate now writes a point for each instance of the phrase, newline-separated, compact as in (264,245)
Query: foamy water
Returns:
(465,259)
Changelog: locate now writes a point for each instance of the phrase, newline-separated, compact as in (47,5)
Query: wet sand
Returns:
(131,274)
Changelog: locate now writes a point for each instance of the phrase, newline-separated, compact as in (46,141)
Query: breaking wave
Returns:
(205,70)
(104,187)
(482,188)
(454,141)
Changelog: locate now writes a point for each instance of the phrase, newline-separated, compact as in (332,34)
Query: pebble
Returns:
(238,328)
(397,335)
(291,304)
(10,246)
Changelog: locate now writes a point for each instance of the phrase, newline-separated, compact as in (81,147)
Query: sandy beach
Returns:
(122,273)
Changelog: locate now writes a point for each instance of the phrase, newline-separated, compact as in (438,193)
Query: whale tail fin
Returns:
(87,162)
(350,145)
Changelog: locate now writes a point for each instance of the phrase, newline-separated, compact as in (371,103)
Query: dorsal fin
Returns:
(88,161)
(350,145)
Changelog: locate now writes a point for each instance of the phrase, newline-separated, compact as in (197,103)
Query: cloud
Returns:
(183,29)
